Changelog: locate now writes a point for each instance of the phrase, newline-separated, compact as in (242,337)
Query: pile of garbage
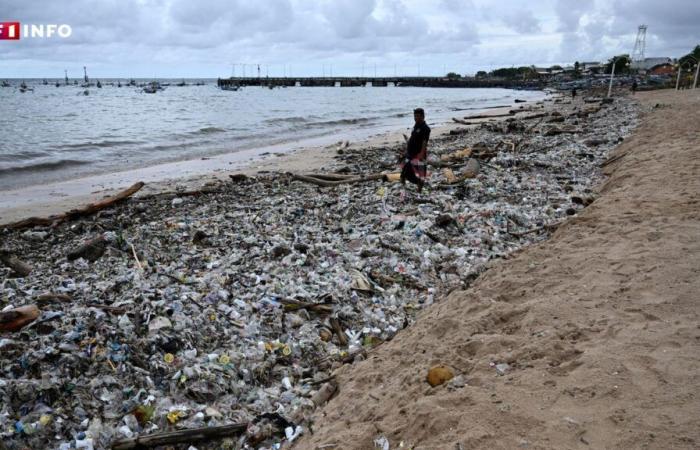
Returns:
(234,304)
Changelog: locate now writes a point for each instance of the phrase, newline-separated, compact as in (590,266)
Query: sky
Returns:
(220,38)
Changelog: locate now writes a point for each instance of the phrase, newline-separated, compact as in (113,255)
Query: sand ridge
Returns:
(599,326)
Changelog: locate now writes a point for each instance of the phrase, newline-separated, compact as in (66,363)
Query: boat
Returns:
(182,83)
(45,82)
(23,88)
(153,87)
(119,84)
(58,84)
(99,85)
(230,87)
(87,83)
(4,84)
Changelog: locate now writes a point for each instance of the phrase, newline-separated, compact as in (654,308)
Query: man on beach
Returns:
(413,162)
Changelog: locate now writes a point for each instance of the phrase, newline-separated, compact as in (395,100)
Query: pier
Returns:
(440,82)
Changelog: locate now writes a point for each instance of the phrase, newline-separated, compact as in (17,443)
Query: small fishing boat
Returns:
(99,85)
(230,87)
(4,84)
(153,87)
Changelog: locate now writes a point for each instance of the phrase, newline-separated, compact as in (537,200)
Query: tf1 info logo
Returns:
(12,31)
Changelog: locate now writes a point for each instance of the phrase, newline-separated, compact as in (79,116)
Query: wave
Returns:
(100,144)
(326,123)
(292,119)
(42,167)
(208,130)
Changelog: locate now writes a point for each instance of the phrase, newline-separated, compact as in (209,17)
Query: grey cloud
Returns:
(522,21)
(178,37)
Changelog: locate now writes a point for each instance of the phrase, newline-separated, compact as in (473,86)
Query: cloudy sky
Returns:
(205,38)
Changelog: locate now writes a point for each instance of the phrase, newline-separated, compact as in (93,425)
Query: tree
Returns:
(622,64)
(577,67)
(689,57)
(453,76)
(555,67)
(481,74)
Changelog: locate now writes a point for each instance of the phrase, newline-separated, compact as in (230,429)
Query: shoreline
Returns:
(252,297)
(58,197)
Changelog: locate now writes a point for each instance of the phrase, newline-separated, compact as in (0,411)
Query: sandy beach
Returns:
(249,302)
(587,340)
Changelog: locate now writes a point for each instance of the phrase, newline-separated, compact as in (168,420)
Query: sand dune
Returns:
(599,326)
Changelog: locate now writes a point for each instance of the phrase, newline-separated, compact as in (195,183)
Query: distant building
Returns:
(662,69)
(649,64)
(591,66)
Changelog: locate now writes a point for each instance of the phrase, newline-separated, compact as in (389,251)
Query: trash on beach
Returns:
(438,375)
(231,311)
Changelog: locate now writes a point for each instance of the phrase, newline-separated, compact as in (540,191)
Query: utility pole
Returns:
(697,67)
(678,78)
(612,74)
(258,70)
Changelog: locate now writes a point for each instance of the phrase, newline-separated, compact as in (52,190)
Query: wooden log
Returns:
(91,250)
(52,297)
(327,183)
(17,318)
(180,436)
(291,304)
(463,122)
(613,159)
(105,203)
(489,116)
(75,213)
(330,176)
(19,267)
(338,330)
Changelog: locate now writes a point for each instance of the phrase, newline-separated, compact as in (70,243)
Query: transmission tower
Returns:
(640,44)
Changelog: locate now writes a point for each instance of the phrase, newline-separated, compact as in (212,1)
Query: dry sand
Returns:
(599,325)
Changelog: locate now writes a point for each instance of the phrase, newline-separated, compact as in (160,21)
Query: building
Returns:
(649,64)
(593,66)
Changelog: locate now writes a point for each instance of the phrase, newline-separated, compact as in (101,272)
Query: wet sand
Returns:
(598,326)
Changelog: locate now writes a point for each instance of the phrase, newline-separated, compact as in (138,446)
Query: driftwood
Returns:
(613,159)
(19,267)
(291,304)
(330,176)
(17,318)
(180,437)
(330,183)
(75,213)
(91,250)
(463,122)
(52,297)
(489,116)
(338,330)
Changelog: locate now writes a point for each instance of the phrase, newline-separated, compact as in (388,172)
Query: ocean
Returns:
(53,133)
